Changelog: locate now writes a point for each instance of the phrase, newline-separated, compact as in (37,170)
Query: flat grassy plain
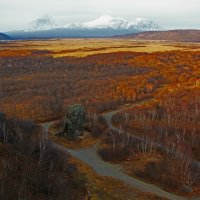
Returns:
(85,47)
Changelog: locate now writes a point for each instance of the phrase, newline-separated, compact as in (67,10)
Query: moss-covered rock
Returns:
(74,120)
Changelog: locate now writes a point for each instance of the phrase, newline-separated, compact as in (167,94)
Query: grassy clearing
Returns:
(85,47)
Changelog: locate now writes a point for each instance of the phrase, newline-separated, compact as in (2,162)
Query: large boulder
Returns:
(74,120)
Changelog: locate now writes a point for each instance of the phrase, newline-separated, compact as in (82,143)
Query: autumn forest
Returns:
(142,105)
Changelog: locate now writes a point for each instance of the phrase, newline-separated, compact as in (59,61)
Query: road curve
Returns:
(109,115)
(90,157)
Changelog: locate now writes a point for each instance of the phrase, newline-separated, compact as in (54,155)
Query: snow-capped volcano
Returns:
(118,23)
(103,22)
(104,26)
(106,21)
(44,23)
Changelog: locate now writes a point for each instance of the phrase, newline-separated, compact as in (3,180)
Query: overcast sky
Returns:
(15,14)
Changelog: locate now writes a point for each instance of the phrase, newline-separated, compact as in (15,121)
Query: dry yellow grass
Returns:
(85,47)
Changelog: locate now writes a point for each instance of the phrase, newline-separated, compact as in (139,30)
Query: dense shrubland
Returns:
(166,127)
(169,129)
(32,169)
(173,122)
(45,86)
(39,87)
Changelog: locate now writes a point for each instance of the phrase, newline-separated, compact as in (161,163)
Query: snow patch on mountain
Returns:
(106,21)
(143,24)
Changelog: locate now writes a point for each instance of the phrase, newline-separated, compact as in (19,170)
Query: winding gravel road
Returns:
(90,157)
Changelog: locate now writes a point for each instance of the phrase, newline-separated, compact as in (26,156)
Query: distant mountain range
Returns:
(4,37)
(104,26)
(172,35)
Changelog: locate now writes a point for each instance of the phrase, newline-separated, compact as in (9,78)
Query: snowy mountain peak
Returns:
(140,19)
(44,23)
(106,21)
(105,18)
(143,24)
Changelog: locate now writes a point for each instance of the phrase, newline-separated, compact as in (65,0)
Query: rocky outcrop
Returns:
(74,120)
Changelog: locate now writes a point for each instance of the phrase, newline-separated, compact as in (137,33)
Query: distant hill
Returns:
(172,35)
(4,37)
